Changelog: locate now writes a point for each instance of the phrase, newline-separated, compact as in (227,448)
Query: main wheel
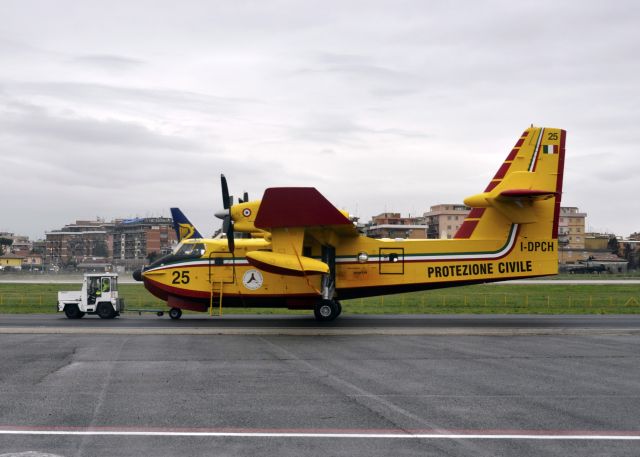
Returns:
(339,308)
(72,311)
(175,313)
(326,310)
(105,311)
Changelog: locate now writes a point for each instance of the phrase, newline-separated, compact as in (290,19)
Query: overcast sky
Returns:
(126,108)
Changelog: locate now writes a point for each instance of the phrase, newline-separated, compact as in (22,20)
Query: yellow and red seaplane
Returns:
(298,251)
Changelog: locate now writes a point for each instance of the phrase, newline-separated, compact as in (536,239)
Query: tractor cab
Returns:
(99,295)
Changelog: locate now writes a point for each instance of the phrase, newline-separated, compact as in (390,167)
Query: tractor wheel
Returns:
(72,311)
(175,313)
(105,311)
(326,310)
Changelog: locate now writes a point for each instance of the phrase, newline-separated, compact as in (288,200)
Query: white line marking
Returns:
(532,165)
(394,436)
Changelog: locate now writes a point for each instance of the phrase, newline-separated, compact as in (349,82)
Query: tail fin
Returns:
(183,227)
(525,191)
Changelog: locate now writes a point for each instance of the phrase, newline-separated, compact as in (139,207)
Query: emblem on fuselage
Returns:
(252,279)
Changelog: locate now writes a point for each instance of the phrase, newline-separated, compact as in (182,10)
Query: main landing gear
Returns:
(327,310)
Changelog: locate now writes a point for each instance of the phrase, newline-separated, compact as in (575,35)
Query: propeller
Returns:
(225,214)
(227,222)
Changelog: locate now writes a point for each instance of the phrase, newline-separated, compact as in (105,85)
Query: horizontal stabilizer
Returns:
(526,193)
(514,197)
(286,264)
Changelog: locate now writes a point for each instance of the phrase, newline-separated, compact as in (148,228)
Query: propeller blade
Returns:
(230,238)
(227,222)
(225,192)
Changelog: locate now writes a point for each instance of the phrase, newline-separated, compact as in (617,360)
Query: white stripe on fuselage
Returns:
(241,261)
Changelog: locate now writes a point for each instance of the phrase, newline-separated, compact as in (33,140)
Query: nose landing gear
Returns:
(327,310)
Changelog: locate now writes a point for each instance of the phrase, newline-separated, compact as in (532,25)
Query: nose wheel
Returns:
(175,313)
(327,310)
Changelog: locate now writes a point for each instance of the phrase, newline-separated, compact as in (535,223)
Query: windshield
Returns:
(190,250)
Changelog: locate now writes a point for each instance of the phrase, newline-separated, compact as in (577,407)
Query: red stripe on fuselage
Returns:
(502,171)
(476,213)
(512,155)
(491,185)
(556,212)
(466,229)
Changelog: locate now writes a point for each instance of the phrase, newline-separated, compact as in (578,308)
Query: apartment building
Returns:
(393,225)
(78,241)
(444,220)
(136,240)
(571,229)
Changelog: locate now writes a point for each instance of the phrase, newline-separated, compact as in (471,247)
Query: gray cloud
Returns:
(381,105)
(37,124)
(107,62)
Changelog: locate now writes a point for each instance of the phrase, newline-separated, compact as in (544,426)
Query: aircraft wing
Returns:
(298,207)
(290,214)
(285,207)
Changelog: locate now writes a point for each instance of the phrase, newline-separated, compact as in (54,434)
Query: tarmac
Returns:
(569,387)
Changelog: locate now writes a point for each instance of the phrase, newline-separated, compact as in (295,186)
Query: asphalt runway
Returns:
(570,388)
(306,325)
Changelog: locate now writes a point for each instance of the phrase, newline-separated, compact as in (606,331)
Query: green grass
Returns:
(480,299)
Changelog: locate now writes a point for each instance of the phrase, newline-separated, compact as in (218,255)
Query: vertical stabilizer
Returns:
(525,192)
(183,227)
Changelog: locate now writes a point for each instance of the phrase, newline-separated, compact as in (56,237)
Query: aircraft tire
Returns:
(339,305)
(175,313)
(105,311)
(326,310)
(72,311)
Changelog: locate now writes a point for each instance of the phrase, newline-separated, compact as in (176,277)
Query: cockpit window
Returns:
(190,250)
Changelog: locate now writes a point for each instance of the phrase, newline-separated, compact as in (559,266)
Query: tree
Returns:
(613,245)
(631,256)
(4,242)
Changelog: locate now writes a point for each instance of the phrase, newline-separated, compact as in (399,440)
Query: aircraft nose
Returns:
(137,274)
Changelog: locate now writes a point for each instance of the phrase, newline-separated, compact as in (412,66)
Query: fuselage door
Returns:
(391,261)
(222,268)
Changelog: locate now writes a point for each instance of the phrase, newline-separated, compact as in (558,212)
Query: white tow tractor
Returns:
(99,295)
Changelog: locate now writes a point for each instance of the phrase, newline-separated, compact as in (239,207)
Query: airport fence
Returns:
(497,303)
(473,300)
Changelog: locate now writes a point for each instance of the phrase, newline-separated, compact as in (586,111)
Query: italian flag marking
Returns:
(550,149)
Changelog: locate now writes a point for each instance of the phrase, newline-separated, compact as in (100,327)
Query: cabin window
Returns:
(191,250)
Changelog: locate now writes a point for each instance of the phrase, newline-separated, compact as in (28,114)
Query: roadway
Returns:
(202,324)
(569,387)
